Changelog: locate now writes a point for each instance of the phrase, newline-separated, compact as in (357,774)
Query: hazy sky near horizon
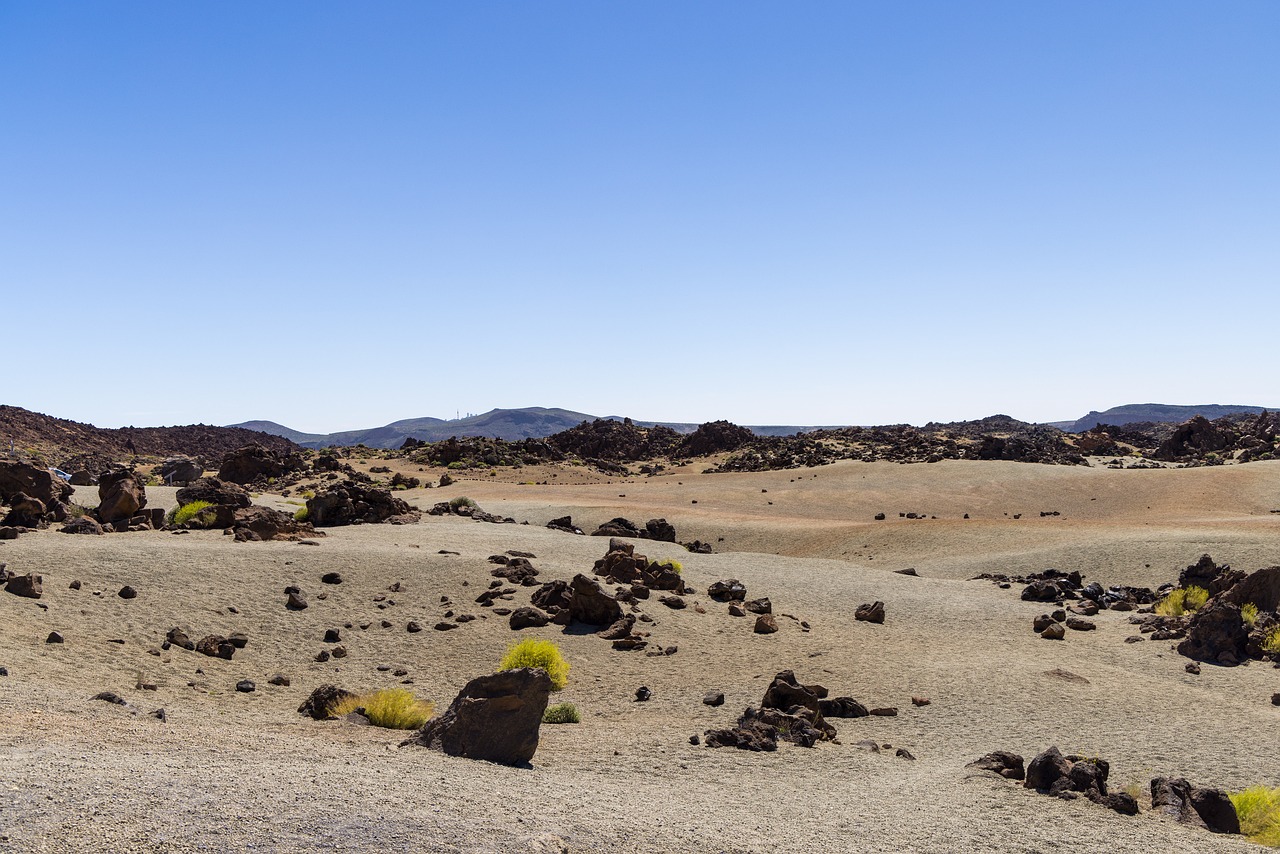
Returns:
(336,215)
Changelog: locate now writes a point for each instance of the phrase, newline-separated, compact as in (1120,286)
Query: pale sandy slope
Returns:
(245,772)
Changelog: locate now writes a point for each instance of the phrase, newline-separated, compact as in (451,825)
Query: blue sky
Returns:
(334,215)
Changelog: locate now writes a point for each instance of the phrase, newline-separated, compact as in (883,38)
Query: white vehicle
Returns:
(60,473)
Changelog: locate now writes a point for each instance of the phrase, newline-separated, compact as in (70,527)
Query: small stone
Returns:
(160,715)
(279,679)
(413,628)
(54,637)
(339,652)
(885,712)
(714,698)
(4,671)
(643,694)
(904,753)
(920,701)
(331,578)
(765,624)
(322,656)
(1054,632)
(1193,668)
(75,585)
(296,602)
(444,627)
(332,636)
(694,740)
(246,686)
(127,592)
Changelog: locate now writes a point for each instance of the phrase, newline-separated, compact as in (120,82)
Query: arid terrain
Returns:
(231,771)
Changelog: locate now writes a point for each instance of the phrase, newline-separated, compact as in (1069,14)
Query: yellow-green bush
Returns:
(541,654)
(561,713)
(1182,601)
(1249,613)
(1271,643)
(393,708)
(301,514)
(191,512)
(673,564)
(1258,809)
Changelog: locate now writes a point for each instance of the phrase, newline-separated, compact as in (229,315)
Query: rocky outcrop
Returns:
(255,462)
(121,495)
(621,565)
(1070,777)
(35,495)
(257,524)
(495,718)
(1216,634)
(1207,808)
(175,471)
(214,491)
(351,503)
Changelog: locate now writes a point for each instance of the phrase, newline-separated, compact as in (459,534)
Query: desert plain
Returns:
(232,771)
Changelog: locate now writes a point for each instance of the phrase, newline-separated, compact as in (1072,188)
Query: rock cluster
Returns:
(788,711)
(352,503)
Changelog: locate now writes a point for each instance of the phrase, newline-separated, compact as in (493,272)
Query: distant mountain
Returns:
(1132,413)
(533,422)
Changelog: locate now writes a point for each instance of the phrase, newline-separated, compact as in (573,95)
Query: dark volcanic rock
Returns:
(1216,634)
(350,502)
(29,586)
(495,718)
(1210,808)
(526,618)
(590,604)
(257,524)
(872,613)
(322,700)
(254,462)
(1006,764)
(214,491)
(83,525)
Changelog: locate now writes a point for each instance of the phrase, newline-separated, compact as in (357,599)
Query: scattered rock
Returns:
(246,686)
(1006,764)
(716,698)
(30,586)
(319,703)
(643,694)
(127,592)
(870,613)
(494,718)
(54,637)
(765,624)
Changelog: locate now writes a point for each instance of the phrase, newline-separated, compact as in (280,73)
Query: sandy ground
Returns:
(245,772)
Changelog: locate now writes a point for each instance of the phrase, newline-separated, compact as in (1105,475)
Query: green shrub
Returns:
(192,513)
(1258,809)
(542,654)
(456,465)
(393,708)
(1249,613)
(1182,601)
(461,501)
(307,494)
(302,514)
(561,713)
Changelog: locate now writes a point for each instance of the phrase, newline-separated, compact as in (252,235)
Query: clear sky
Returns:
(334,215)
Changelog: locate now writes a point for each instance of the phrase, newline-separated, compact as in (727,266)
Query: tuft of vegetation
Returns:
(1258,809)
(393,708)
(193,513)
(672,564)
(1271,643)
(307,494)
(542,654)
(461,501)
(1249,613)
(561,713)
(1182,601)
(301,514)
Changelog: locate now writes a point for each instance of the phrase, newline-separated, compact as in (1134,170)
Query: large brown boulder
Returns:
(121,494)
(39,483)
(214,491)
(83,525)
(25,512)
(495,718)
